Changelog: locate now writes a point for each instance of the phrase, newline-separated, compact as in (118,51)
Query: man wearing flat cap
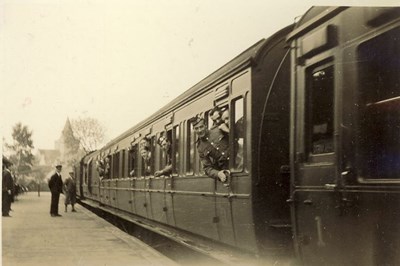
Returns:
(56,186)
(7,188)
(212,146)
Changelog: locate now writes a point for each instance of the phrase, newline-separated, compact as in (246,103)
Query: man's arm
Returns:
(208,167)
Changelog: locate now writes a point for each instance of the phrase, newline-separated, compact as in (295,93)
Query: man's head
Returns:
(215,115)
(58,168)
(199,127)
(6,163)
(164,143)
(145,153)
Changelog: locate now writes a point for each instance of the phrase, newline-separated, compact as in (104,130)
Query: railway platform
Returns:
(32,237)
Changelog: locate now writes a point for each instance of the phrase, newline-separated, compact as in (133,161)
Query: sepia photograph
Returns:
(200,133)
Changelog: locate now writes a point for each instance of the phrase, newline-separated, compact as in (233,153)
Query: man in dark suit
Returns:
(56,186)
(7,188)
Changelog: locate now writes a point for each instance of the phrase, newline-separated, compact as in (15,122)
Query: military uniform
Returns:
(213,152)
(168,167)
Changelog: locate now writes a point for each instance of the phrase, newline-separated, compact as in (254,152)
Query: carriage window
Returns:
(175,151)
(238,135)
(132,160)
(146,150)
(378,137)
(85,171)
(123,171)
(191,143)
(107,167)
(90,172)
(115,167)
(166,159)
(319,110)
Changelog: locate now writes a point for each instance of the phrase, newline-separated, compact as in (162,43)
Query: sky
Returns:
(120,61)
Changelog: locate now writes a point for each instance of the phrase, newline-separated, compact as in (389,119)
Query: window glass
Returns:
(85,170)
(107,170)
(319,110)
(123,171)
(238,134)
(132,162)
(175,151)
(378,138)
(90,171)
(116,165)
(190,149)
(147,148)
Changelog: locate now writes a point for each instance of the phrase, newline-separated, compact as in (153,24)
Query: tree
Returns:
(21,149)
(89,132)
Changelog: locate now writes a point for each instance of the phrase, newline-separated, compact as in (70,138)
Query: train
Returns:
(316,115)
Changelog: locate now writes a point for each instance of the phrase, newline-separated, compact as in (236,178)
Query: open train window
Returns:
(165,156)
(123,171)
(191,143)
(107,167)
(132,161)
(147,150)
(115,163)
(238,134)
(175,150)
(378,135)
(319,110)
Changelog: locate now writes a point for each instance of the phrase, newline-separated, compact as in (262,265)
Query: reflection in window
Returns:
(378,145)
(319,114)
(238,132)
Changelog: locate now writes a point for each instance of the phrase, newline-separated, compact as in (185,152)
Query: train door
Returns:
(370,159)
(314,150)
(346,142)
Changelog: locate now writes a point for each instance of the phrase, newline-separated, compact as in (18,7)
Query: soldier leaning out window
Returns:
(212,146)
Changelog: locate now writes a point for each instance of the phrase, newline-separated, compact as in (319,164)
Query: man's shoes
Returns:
(53,215)
(6,215)
(73,210)
(58,215)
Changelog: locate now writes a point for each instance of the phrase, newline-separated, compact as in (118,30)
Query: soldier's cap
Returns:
(71,173)
(58,165)
(197,120)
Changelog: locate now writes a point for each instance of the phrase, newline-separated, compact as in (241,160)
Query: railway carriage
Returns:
(314,139)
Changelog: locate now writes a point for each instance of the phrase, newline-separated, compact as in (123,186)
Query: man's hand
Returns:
(158,173)
(221,176)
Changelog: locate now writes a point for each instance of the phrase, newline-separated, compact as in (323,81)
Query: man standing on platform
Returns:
(7,188)
(70,191)
(56,186)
